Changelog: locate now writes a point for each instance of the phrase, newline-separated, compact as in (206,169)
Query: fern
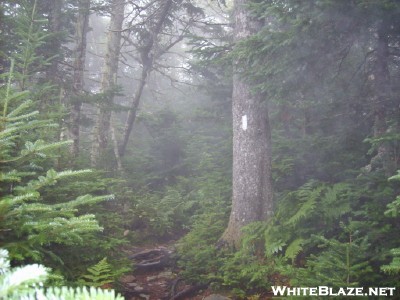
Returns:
(294,249)
(336,201)
(99,275)
(308,196)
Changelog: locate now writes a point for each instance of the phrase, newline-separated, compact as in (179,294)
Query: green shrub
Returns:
(27,282)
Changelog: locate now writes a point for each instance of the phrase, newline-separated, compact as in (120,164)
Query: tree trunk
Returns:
(380,95)
(55,17)
(133,109)
(108,83)
(147,64)
(252,186)
(82,25)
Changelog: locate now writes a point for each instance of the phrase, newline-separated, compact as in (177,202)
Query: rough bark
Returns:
(147,58)
(82,26)
(380,95)
(252,186)
(108,83)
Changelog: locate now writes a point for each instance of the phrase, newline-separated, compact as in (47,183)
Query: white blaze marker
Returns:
(244,122)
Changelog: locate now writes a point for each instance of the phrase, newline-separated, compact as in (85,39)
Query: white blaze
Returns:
(244,122)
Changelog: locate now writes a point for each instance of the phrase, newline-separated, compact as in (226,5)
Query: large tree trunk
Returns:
(147,58)
(252,186)
(82,26)
(380,96)
(108,84)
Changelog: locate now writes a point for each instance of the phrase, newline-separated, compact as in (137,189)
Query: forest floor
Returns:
(156,276)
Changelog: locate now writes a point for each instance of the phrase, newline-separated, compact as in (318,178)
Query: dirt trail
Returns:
(156,276)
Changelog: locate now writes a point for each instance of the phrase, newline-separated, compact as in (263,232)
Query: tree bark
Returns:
(147,58)
(380,95)
(82,26)
(252,184)
(109,80)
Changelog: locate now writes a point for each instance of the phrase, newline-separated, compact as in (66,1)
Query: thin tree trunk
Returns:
(252,184)
(108,84)
(55,24)
(147,65)
(82,25)
(133,109)
(56,95)
(116,150)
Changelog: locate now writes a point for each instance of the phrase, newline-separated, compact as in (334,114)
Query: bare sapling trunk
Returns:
(108,83)
(147,57)
(82,26)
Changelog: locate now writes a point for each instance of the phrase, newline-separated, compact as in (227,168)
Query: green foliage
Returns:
(245,272)
(99,275)
(341,263)
(394,266)
(18,281)
(30,226)
(29,31)
(301,212)
(26,282)
(163,213)
(392,211)
(294,249)
(198,255)
(393,208)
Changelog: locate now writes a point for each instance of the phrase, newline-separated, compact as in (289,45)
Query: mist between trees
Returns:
(232,145)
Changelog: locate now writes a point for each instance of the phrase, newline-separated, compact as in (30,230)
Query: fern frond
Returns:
(98,275)
(294,248)
(304,210)
(336,201)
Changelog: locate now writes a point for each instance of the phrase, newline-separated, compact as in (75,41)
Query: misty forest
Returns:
(198,149)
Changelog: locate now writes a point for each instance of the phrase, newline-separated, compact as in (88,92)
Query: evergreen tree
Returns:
(29,226)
